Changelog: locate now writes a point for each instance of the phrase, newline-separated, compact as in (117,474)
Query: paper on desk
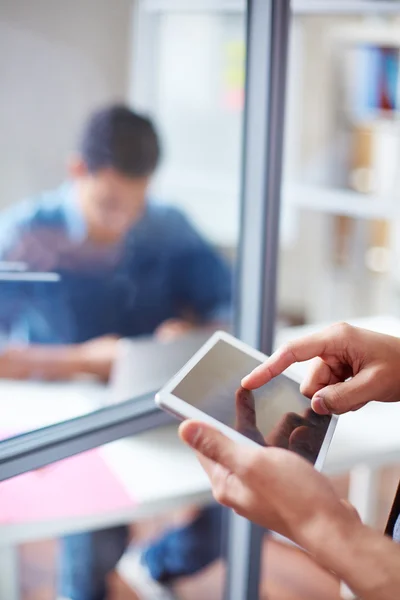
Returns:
(79,486)
(75,487)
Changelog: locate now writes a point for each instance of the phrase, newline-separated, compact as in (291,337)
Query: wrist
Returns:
(332,537)
(97,356)
(341,543)
(72,358)
(81,358)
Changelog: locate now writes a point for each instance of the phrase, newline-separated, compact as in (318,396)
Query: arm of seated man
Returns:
(94,357)
(61,362)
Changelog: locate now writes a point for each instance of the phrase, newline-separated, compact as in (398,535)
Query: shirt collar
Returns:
(75,221)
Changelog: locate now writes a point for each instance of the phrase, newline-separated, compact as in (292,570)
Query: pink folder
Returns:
(78,486)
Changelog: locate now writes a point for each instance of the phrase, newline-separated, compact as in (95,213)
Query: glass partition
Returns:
(199,104)
(118,230)
(118,243)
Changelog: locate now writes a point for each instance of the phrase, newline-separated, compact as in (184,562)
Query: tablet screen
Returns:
(277,414)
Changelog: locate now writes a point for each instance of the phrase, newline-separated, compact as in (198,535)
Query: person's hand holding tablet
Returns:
(280,490)
(351,367)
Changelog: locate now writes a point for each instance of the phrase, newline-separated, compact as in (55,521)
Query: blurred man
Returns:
(128,267)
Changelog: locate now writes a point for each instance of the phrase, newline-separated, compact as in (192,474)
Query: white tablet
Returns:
(208,389)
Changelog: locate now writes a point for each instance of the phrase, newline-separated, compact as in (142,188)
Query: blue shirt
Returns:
(163,269)
(396,531)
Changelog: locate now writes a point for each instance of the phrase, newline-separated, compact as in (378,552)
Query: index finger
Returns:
(300,350)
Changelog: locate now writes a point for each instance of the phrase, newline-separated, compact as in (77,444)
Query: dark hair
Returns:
(117,137)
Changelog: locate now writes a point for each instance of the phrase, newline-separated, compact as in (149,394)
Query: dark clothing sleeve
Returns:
(202,279)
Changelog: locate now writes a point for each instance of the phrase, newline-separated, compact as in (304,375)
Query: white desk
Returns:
(160,473)
(29,405)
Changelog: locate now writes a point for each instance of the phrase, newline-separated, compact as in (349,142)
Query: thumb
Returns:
(210,443)
(344,396)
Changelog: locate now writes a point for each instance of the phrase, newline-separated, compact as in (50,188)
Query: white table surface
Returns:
(30,405)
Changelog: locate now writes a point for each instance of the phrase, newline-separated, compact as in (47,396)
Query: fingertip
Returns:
(190,432)
(318,405)
(246,382)
(251,381)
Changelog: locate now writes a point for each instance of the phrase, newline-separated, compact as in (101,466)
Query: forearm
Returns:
(366,560)
(62,362)
(42,362)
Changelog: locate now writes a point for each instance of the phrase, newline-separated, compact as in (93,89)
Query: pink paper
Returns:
(78,486)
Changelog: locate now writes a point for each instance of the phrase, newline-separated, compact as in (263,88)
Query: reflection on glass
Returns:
(108,272)
(99,256)
(302,433)
(199,98)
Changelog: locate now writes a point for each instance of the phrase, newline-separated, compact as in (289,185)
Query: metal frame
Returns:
(267,48)
(267,35)
(39,448)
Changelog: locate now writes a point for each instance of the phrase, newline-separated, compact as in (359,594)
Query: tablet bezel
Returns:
(166,400)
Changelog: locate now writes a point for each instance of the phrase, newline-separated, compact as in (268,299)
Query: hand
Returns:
(172,329)
(62,362)
(371,360)
(97,356)
(272,487)
(43,362)
(282,492)
(302,434)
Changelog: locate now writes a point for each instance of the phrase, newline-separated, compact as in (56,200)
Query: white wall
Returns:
(58,60)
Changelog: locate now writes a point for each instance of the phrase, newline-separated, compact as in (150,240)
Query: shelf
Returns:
(345,7)
(379,34)
(340,202)
(213,203)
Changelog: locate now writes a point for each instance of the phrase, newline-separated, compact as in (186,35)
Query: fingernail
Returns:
(245,380)
(194,436)
(318,405)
